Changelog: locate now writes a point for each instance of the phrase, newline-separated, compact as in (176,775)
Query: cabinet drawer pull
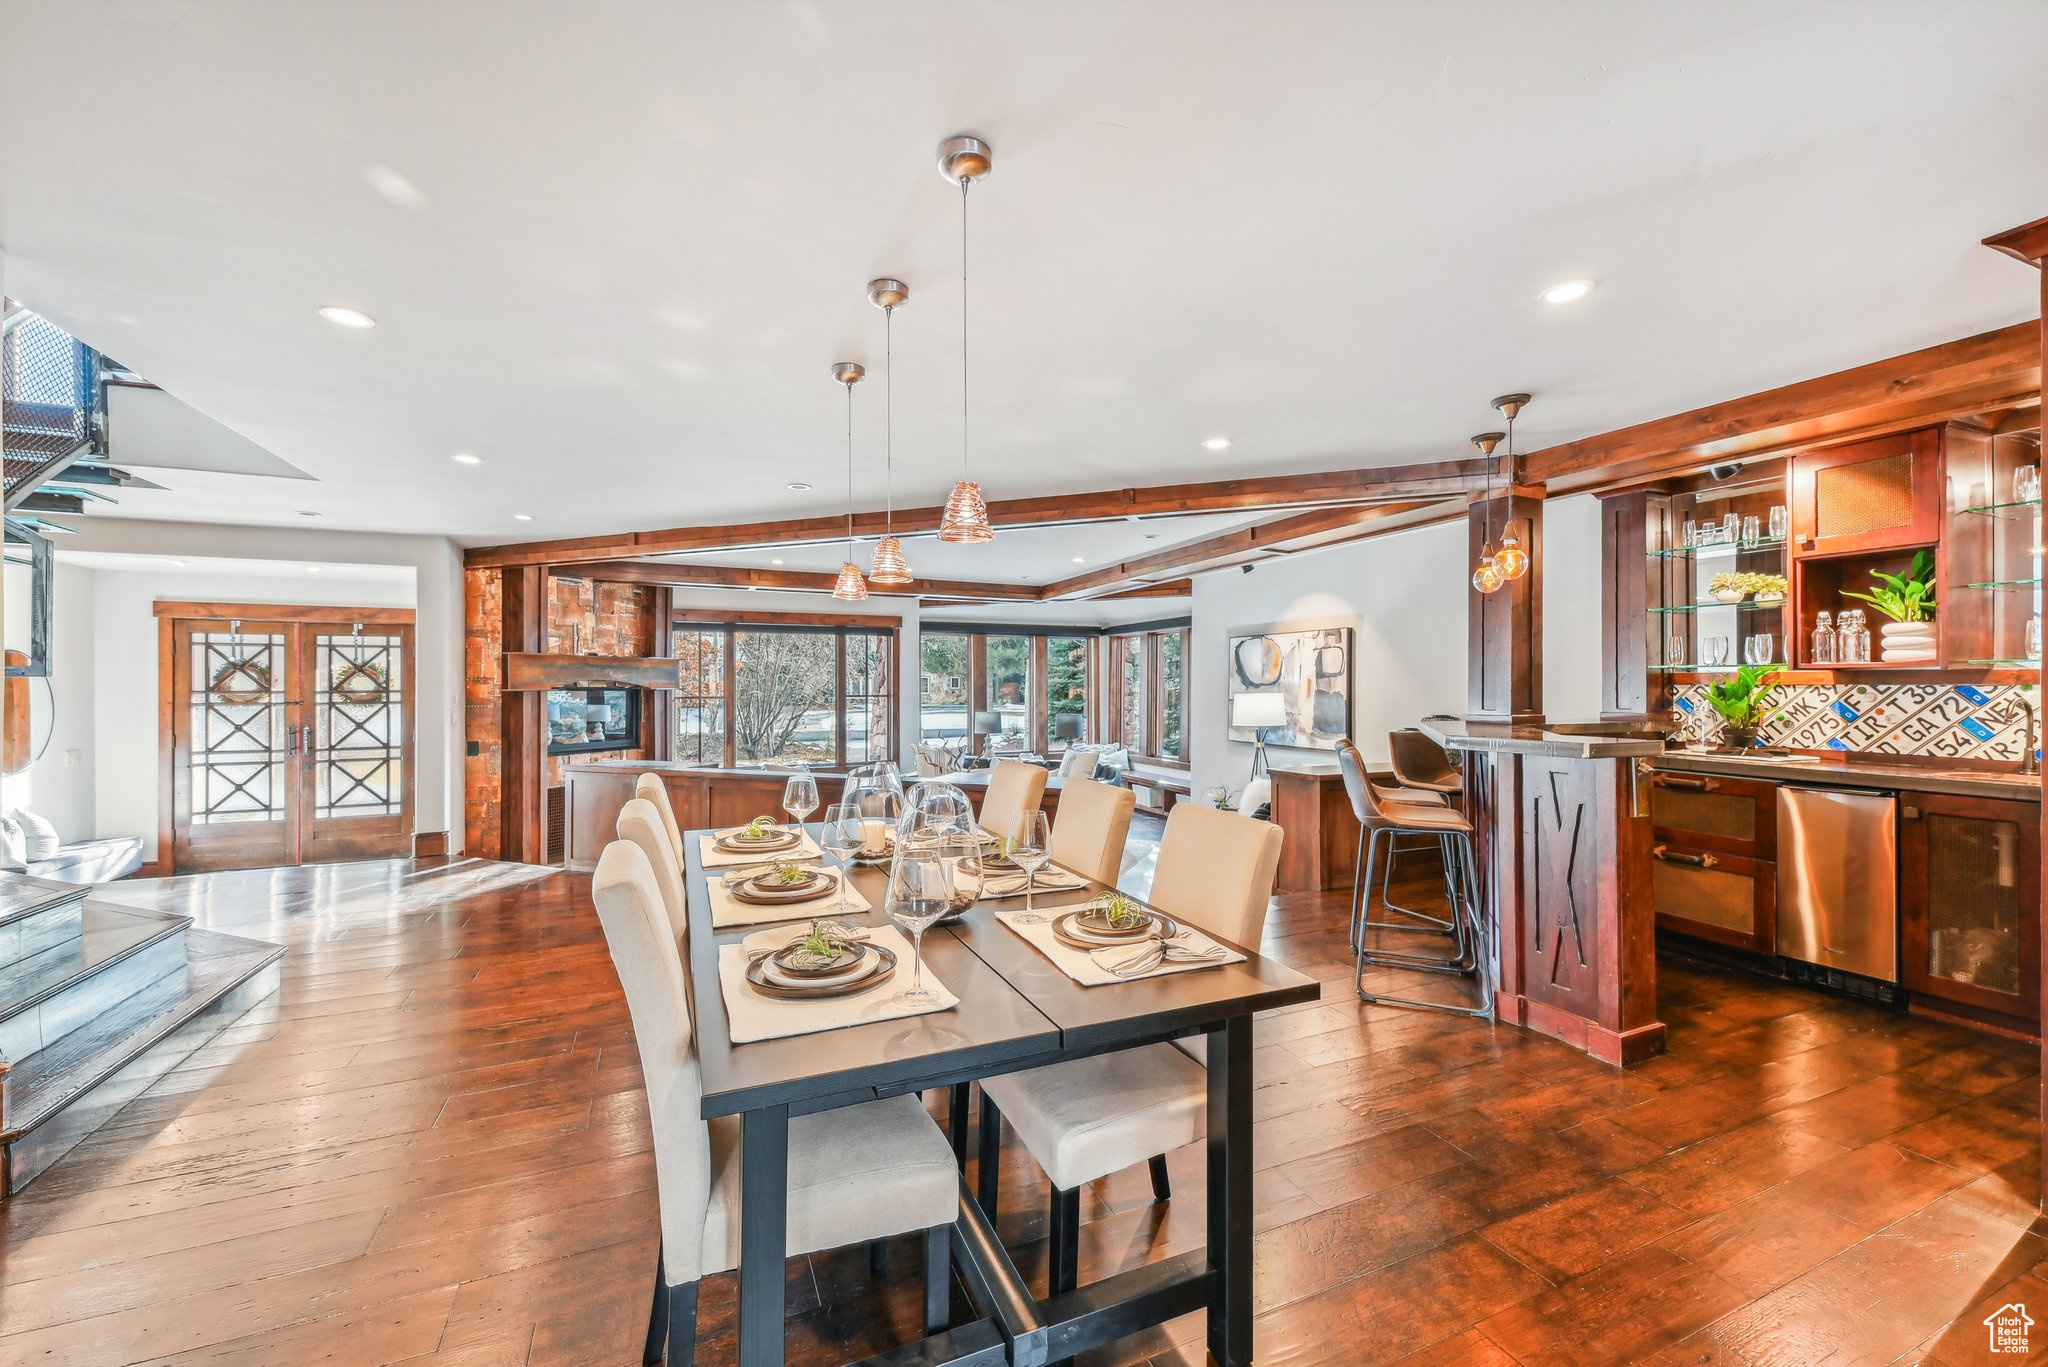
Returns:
(1699,785)
(1671,856)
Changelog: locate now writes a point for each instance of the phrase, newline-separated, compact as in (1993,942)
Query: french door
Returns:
(287,740)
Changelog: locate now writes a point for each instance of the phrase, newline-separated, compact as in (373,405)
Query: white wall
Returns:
(1571,609)
(60,784)
(436,565)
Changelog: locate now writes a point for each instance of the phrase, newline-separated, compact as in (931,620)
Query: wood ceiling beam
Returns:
(675,575)
(1395,483)
(1972,375)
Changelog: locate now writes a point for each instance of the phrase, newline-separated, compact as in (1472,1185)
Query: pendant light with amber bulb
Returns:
(1511,561)
(1486,577)
(888,569)
(850,587)
(963,161)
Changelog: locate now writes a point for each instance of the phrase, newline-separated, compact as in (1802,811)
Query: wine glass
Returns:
(844,830)
(1030,838)
(800,797)
(920,892)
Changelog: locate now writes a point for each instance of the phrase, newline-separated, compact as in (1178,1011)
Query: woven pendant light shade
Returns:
(888,570)
(966,515)
(851,588)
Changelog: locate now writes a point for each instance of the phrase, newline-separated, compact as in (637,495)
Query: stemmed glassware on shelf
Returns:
(844,831)
(920,892)
(1030,849)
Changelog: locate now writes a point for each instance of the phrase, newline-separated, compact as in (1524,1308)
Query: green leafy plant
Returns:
(820,945)
(786,874)
(1120,910)
(1739,699)
(1904,598)
(760,828)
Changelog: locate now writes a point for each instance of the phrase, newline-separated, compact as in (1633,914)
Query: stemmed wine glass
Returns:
(1030,850)
(800,797)
(842,836)
(920,892)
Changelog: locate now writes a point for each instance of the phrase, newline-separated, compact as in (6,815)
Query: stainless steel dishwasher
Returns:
(1838,879)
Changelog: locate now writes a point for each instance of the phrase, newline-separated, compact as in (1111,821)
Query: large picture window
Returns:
(754,694)
(1037,690)
(1149,672)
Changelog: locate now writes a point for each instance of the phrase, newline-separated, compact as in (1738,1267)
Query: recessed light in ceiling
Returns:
(393,187)
(799,486)
(347,317)
(522,517)
(312,569)
(1567,292)
(465,458)
(1080,560)
(307,512)
(176,564)
(776,561)
(1216,444)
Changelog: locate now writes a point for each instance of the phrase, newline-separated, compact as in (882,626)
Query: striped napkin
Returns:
(1137,960)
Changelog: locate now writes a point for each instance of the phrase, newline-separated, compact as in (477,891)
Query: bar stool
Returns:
(1383,821)
(1424,770)
(1356,781)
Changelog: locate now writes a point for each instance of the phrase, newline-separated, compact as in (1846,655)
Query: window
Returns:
(941,688)
(1006,696)
(1066,691)
(756,694)
(1150,673)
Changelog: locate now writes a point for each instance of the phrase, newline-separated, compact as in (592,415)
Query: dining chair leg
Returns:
(657,1318)
(938,1279)
(1063,1241)
(956,1122)
(682,1325)
(878,1258)
(1162,1186)
(990,1165)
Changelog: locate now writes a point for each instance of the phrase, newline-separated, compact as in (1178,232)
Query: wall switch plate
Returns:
(72,759)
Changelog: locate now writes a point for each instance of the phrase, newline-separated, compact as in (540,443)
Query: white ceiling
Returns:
(615,247)
(224,567)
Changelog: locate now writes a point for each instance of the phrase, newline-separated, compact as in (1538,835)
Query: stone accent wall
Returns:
(1952,721)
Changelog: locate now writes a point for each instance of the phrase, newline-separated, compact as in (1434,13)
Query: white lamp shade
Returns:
(1258,709)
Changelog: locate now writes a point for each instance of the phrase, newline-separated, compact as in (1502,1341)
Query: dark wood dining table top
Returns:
(1017,1009)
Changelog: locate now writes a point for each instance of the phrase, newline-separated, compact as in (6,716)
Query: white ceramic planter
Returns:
(1907,642)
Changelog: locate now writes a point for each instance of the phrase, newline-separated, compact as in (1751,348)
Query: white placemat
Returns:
(728,911)
(749,1016)
(714,858)
(1001,885)
(1082,968)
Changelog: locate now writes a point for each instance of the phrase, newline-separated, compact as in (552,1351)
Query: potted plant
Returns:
(1908,600)
(1739,701)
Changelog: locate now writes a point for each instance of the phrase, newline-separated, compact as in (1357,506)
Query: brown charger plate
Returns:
(1163,926)
(1096,922)
(847,959)
(783,839)
(884,971)
(824,885)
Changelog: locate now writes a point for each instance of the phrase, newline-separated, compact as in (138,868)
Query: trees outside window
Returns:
(751,694)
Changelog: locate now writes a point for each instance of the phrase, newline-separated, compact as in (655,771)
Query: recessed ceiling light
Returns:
(347,317)
(776,561)
(1217,444)
(522,517)
(177,564)
(312,569)
(1079,560)
(307,512)
(798,486)
(465,458)
(1567,292)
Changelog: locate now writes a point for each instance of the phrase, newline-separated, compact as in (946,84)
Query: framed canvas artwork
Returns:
(1310,668)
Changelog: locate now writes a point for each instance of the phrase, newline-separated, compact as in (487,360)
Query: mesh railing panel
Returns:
(1868,496)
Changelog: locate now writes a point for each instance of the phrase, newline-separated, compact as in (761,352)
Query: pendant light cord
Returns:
(966,463)
(849,472)
(888,420)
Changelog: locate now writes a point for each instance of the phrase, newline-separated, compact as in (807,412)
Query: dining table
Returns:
(1016,1009)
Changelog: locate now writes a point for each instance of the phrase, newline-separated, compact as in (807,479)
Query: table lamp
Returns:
(1066,726)
(987,724)
(1256,712)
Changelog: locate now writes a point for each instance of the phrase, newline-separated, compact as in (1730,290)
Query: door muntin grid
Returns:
(239,737)
(359,725)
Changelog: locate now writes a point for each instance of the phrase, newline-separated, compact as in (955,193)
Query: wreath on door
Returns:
(360,682)
(240,683)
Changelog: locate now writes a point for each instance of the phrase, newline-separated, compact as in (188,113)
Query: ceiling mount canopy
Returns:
(963,161)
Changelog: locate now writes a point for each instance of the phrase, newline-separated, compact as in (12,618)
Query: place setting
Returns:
(762,840)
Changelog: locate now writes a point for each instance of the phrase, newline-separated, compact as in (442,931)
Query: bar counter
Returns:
(1563,836)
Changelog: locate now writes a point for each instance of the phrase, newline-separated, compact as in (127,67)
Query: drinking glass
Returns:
(1781,521)
(1030,838)
(1752,530)
(1757,649)
(800,797)
(841,838)
(920,889)
(1714,650)
(1690,535)
(1674,649)
(2026,484)
(2034,638)
(1731,528)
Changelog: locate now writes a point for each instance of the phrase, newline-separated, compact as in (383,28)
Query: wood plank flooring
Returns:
(431,1148)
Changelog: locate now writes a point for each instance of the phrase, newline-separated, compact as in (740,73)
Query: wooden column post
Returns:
(521,838)
(1631,526)
(1504,669)
(2029,243)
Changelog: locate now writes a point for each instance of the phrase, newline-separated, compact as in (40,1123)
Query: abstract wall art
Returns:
(1310,668)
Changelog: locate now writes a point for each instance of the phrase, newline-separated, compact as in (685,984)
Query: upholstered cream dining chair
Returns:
(640,822)
(654,790)
(1014,787)
(858,1173)
(1090,828)
(1095,1116)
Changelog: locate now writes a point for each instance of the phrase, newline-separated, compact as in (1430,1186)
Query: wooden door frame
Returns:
(170,612)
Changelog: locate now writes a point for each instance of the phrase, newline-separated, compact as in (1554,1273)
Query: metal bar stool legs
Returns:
(1460,958)
(1475,941)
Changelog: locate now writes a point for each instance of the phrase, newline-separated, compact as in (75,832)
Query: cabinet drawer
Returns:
(1726,898)
(1708,812)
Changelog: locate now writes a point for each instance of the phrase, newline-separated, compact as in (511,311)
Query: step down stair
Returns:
(98,1001)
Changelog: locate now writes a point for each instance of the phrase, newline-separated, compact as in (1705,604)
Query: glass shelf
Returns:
(1719,548)
(1746,605)
(1697,669)
(2004,664)
(2007,510)
(2007,585)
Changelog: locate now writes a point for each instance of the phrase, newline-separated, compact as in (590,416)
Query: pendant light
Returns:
(1486,578)
(851,588)
(1511,561)
(887,569)
(963,161)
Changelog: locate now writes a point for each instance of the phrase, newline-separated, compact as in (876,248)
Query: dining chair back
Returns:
(636,929)
(1014,788)
(1216,870)
(1090,828)
(640,822)
(654,790)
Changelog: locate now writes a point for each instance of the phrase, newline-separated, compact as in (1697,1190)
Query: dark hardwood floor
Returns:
(431,1147)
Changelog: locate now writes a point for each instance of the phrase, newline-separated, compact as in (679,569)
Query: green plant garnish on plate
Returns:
(786,875)
(760,828)
(1120,910)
